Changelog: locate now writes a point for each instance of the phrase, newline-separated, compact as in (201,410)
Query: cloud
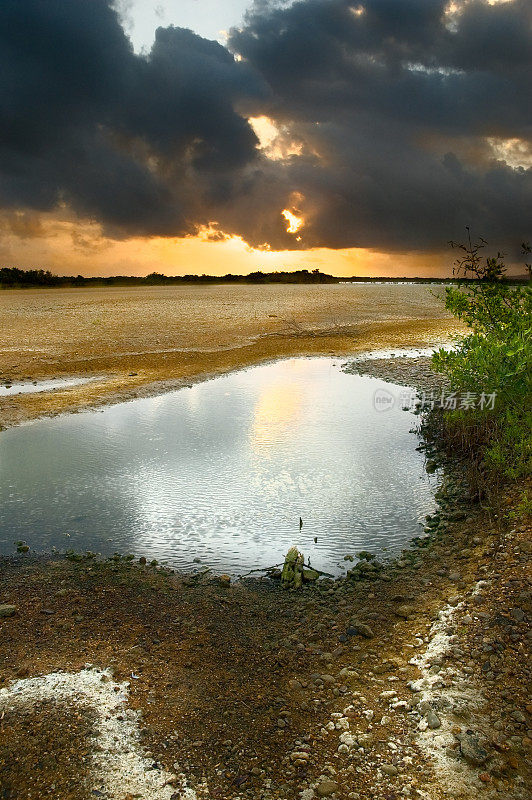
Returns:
(399,101)
(399,122)
(146,144)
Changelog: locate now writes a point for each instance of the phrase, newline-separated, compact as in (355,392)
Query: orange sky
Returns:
(66,245)
(70,247)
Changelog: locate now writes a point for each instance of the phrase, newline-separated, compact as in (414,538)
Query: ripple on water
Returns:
(222,471)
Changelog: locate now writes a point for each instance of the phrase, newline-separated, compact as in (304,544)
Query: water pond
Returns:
(35,387)
(223,471)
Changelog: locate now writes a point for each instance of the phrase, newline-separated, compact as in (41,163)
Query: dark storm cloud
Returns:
(398,99)
(392,107)
(141,143)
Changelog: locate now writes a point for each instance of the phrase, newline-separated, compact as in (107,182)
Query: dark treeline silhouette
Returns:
(14,278)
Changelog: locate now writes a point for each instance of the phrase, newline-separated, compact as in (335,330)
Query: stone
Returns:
(360,628)
(404,611)
(364,555)
(433,720)
(389,769)
(7,610)
(224,580)
(291,575)
(326,787)
(471,749)
(310,575)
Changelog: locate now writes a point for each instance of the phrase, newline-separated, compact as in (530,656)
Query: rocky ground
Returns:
(407,681)
(415,371)
(404,680)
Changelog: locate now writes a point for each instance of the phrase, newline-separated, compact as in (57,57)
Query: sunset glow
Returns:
(277,137)
(294,223)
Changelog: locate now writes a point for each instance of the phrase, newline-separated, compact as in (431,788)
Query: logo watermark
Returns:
(410,400)
(383,400)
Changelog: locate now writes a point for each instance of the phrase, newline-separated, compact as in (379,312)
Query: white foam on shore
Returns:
(453,695)
(120,766)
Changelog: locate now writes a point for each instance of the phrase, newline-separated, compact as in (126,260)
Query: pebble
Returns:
(433,720)
(7,610)
(389,769)
(326,788)
(404,611)
(471,749)
(360,628)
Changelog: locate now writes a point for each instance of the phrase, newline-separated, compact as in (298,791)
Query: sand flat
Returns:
(148,339)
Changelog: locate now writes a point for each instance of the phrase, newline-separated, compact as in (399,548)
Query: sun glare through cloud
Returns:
(294,223)
(396,121)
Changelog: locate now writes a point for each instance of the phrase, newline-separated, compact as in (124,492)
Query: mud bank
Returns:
(402,681)
(142,342)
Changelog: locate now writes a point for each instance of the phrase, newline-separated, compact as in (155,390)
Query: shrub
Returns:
(496,357)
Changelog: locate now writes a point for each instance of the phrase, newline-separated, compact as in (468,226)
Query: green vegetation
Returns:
(494,359)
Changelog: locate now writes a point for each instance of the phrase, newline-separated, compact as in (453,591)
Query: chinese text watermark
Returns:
(410,400)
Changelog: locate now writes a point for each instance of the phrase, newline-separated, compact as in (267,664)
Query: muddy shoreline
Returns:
(406,681)
(146,376)
(133,343)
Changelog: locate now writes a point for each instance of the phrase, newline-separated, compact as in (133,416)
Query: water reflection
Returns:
(222,471)
(279,406)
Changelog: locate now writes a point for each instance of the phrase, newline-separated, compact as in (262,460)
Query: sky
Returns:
(193,136)
(211,19)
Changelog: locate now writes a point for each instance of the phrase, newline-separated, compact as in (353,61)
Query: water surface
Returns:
(34,387)
(222,472)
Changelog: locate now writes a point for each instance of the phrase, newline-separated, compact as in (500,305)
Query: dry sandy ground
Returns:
(138,341)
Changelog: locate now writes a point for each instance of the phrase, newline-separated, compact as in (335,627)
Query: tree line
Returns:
(15,278)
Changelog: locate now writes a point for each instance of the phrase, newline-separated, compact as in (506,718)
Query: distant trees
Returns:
(11,276)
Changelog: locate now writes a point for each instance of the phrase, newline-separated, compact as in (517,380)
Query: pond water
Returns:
(9,389)
(222,472)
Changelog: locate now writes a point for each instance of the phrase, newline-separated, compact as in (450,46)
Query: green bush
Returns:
(496,359)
